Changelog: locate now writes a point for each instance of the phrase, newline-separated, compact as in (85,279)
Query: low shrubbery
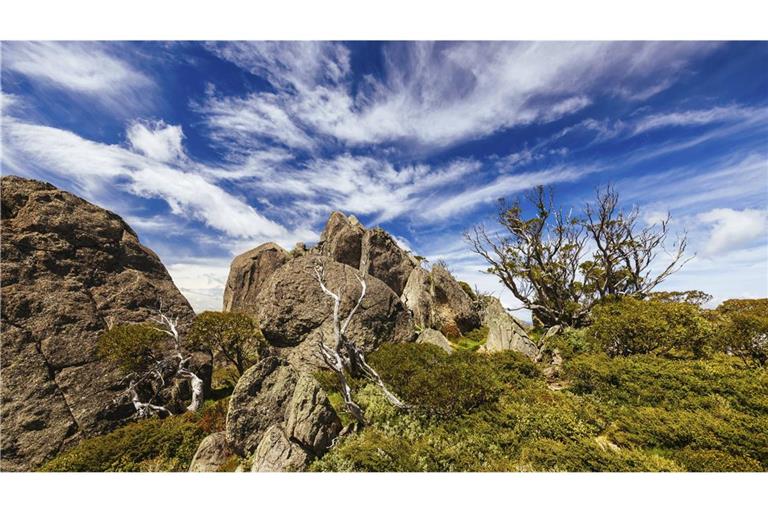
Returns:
(630,326)
(745,329)
(147,445)
(636,413)
(434,382)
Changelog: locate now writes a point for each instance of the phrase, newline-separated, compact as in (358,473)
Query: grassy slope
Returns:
(476,412)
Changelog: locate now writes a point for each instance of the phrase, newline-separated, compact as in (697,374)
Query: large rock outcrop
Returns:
(372,251)
(247,274)
(454,309)
(384,259)
(417,297)
(69,270)
(292,306)
(279,416)
(437,301)
(436,338)
(505,332)
(342,239)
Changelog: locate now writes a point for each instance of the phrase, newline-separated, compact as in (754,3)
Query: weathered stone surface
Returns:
(417,297)
(342,239)
(436,338)
(310,419)
(505,332)
(247,274)
(385,260)
(69,269)
(274,396)
(453,307)
(212,453)
(276,453)
(292,305)
(259,401)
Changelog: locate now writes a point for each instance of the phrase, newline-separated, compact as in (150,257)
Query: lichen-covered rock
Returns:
(247,274)
(310,419)
(342,239)
(69,269)
(291,305)
(435,338)
(259,401)
(212,453)
(273,396)
(417,297)
(385,260)
(277,453)
(453,308)
(505,332)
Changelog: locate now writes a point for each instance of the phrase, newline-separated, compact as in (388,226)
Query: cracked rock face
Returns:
(435,338)
(69,269)
(505,332)
(212,453)
(292,306)
(247,274)
(280,416)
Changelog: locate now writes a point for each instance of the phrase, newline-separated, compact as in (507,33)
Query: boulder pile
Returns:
(279,418)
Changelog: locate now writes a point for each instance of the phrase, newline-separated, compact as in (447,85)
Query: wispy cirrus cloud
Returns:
(95,167)
(83,70)
(430,94)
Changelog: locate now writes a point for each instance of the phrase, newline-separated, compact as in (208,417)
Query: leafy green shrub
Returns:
(589,455)
(569,343)
(234,336)
(647,380)
(148,445)
(629,326)
(713,460)
(131,346)
(471,340)
(436,383)
(744,330)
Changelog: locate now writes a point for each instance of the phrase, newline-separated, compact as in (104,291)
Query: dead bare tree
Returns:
(137,349)
(344,356)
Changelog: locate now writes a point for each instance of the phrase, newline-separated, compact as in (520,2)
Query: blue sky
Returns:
(208,149)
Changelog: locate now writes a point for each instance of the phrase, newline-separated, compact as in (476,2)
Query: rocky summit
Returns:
(69,270)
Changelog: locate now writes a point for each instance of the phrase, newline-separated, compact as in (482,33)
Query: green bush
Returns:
(647,380)
(148,445)
(636,413)
(630,326)
(233,336)
(744,329)
(434,382)
(131,346)
(589,455)
(713,460)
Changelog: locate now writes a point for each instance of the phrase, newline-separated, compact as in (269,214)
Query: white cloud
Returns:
(431,94)
(699,187)
(94,167)
(158,141)
(694,118)
(501,187)
(89,69)
(733,229)
(202,281)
